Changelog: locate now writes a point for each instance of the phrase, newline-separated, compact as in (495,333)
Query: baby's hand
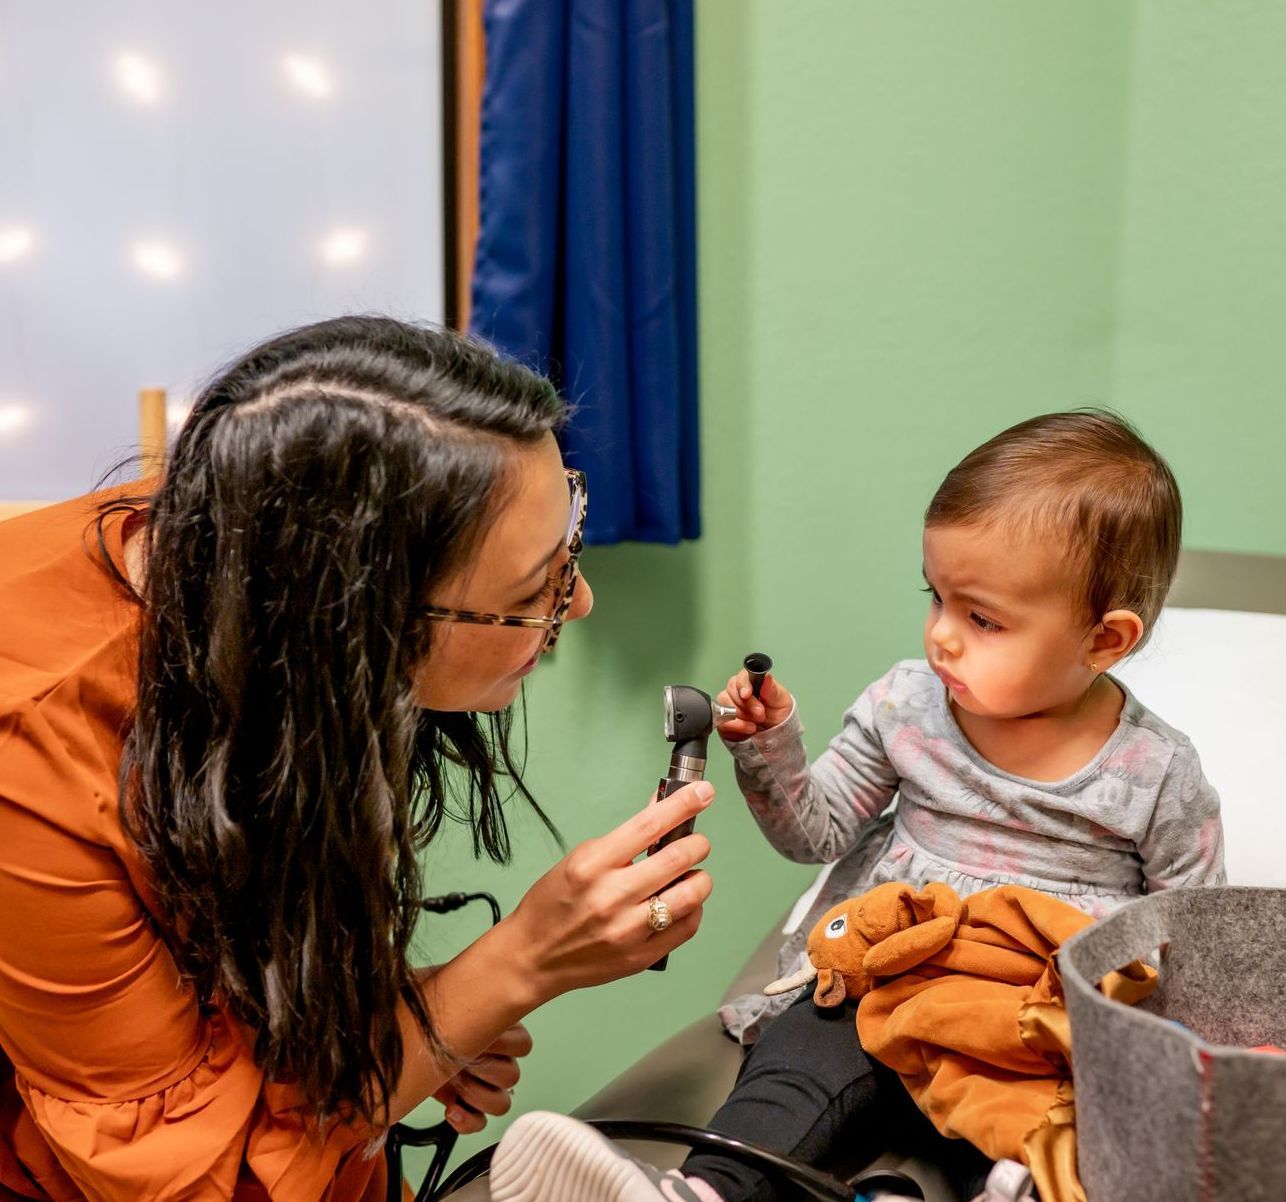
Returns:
(771,707)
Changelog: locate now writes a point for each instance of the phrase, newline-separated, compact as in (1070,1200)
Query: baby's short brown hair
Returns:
(1088,478)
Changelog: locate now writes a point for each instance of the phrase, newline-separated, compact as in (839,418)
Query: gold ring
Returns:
(659,917)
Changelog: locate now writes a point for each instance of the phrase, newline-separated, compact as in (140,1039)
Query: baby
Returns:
(1014,755)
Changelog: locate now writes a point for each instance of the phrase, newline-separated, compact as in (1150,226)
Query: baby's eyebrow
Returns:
(968,598)
(980,602)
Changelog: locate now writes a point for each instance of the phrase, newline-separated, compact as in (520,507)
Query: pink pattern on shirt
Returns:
(1129,759)
(911,742)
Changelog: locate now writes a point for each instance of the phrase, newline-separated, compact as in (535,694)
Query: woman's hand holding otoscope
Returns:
(586,920)
(691,717)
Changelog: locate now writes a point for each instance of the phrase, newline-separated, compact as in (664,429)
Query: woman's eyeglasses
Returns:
(564,586)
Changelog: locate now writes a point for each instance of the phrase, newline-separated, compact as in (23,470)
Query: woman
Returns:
(231,711)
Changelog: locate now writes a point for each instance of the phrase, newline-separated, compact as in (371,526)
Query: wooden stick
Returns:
(471,70)
(152,430)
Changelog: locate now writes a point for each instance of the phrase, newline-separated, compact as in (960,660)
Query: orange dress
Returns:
(114,1083)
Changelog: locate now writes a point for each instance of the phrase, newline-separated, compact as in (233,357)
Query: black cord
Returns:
(442,1136)
(446,903)
(815,1184)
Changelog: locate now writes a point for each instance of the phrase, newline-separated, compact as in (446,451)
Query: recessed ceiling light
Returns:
(15,242)
(139,78)
(160,260)
(308,75)
(343,246)
(13,418)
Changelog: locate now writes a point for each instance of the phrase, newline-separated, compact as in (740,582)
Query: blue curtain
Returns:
(586,260)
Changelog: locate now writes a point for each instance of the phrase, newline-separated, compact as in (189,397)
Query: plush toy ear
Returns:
(830,989)
(896,953)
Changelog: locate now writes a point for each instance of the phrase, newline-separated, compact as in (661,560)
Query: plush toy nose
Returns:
(796,980)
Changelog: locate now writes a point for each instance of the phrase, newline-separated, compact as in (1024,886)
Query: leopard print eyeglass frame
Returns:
(564,590)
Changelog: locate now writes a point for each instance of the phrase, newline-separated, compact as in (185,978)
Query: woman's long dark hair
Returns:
(279,776)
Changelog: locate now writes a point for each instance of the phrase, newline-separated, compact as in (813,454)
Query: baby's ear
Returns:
(1117,634)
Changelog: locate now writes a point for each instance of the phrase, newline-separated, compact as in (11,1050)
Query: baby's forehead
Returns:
(1021,562)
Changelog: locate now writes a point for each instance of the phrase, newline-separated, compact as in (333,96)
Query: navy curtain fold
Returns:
(586,259)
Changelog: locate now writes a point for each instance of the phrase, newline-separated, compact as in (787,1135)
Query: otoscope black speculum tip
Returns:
(758,665)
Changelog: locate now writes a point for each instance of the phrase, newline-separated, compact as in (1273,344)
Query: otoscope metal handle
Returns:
(668,785)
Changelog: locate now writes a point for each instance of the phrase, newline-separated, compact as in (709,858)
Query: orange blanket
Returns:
(963,1000)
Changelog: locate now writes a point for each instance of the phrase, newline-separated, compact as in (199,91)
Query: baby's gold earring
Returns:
(1094,667)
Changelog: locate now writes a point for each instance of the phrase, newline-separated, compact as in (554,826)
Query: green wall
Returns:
(918,223)
(1199,352)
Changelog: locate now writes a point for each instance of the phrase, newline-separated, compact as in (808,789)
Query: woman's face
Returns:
(481,668)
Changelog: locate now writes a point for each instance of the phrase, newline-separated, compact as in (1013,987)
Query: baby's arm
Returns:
(1184,841)
(815,815)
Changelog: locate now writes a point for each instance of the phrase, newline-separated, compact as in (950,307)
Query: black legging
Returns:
(807,1090)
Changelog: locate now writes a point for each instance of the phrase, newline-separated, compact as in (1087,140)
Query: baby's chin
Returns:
(995,713)
(981,707)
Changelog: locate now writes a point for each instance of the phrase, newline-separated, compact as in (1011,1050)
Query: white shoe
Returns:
(1008,1181)
(546,1157)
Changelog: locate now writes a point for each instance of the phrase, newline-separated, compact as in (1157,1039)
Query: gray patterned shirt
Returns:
(1140,816)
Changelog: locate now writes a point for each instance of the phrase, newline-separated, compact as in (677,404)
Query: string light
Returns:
(15,242)
(139,78)
(343,246)
(160,260)
(308,75)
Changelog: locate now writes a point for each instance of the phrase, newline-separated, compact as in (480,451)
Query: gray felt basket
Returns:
(1175,1114)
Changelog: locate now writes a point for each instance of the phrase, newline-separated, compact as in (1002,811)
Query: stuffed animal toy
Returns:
(962,999)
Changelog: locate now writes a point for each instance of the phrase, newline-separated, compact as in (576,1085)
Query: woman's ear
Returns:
(1116,635)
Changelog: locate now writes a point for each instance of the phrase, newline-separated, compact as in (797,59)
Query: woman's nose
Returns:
(582,600)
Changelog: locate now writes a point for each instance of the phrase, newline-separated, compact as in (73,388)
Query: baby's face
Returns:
(1003,630)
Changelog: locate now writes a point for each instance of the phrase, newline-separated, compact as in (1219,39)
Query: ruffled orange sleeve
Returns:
(114,1082)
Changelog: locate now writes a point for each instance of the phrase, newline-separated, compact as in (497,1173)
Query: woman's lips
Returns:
(529,665)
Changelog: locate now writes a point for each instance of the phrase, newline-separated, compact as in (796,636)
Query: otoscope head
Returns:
(687,713)
(690,714)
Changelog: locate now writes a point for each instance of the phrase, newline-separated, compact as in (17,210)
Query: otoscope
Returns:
(690,718)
